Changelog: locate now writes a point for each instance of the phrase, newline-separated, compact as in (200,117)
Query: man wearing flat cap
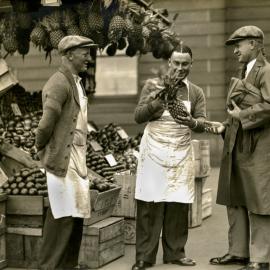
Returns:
(244,180)
(61,145)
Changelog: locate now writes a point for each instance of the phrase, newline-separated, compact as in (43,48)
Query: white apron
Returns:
(69,195)
(166,170)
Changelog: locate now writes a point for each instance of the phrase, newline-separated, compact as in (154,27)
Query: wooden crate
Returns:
(206,203)
(102,204)
(195,209)
(201,150)
(25,211)
(3,262)
(130,231)
(102,242)
(23,247)
(126,203)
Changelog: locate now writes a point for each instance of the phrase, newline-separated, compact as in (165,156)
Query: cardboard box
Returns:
(102,242)
(126,203)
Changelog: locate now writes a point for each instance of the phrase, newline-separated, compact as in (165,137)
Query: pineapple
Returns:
(9,36)
(82,12)
(175,106)
(38,34)
(116,28)
(69,22)
(24,18)
(95,19)
(52,24)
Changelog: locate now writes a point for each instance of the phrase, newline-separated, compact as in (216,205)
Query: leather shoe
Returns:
(141,265)
(182,262)
(256,266)
(228,259)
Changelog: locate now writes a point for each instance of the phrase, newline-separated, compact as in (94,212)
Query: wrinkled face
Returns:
(80,57)
(243,49)
(180,63)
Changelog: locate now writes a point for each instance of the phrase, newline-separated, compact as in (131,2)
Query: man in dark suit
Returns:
(244,181)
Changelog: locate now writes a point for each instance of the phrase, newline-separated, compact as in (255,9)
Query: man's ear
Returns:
(253,44)
(69,55)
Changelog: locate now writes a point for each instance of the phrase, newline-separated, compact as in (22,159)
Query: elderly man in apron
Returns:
(244,181)
(61,144)
(165,174)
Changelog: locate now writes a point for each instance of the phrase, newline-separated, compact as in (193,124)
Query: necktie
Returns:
(84,93)
(243,71)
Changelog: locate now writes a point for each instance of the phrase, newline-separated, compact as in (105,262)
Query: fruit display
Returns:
(20,131)
(134,26)
(26,182)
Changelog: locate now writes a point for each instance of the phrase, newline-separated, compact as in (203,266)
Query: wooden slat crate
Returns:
(102,242)
(130,231)
(206,203)
(25,211)
(102,204)
(3,261)
(126,203)
(23,246)
(195,209)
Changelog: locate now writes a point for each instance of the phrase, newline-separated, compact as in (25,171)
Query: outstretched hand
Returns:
(214,127)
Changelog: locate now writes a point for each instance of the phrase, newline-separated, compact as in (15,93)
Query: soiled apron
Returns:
(69,195)
(166,169)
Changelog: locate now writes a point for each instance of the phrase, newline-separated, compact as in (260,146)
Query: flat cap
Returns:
(245,32)
(70,42)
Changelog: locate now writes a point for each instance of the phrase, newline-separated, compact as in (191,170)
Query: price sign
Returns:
(111,160)
(16,110)
(122,133)
(96,146)
(51,2)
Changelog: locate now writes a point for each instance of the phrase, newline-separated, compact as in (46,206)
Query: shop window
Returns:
(116,75)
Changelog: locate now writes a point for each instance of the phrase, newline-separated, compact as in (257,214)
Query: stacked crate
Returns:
(102,242)
(3,262)
(126,204)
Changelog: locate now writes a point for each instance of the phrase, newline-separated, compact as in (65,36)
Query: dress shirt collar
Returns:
(250,66)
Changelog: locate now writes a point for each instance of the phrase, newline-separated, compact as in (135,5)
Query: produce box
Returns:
(130,231)
(25,211)
(102,204)
(202,157)
(23,247)
(206,203)
(195,209)
(14,159)
(102,242)
(3,261)
(126,203)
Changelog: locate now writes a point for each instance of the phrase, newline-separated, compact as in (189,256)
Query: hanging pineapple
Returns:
(38,34)
(95,18)
(82,11)
(23,38)
(9,35)
(52,24)
(24,18)
(70,24)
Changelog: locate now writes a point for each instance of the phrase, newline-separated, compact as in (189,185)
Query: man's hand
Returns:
(235,111)
(214,127)
(186,121)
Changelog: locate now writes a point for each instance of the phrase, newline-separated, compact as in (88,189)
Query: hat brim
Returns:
(232,41)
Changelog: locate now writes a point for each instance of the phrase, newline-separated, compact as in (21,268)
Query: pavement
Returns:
(206,241)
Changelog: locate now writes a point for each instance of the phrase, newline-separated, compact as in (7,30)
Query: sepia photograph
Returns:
(134,134)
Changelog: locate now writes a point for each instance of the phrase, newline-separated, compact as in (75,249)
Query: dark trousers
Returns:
(61,242)
(172,219)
